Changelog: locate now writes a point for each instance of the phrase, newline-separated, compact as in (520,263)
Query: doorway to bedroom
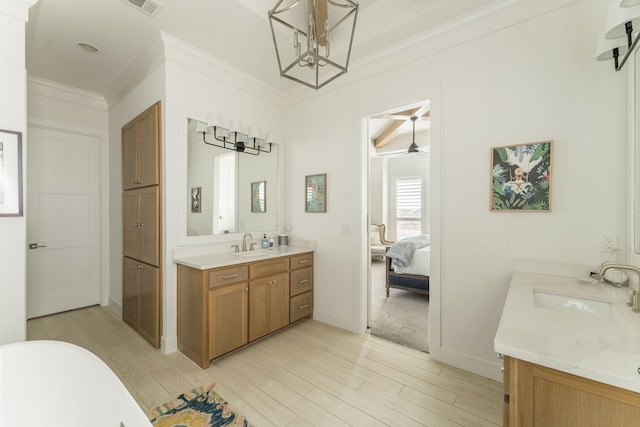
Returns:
(398,212)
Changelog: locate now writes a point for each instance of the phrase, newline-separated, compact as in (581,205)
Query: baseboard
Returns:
(472,364)
(115,306)
(168,345)
(331,319)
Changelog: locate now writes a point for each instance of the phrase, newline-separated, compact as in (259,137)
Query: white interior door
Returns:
(62,223)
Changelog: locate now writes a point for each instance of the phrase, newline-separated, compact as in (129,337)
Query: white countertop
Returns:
(222,259)
(575,342)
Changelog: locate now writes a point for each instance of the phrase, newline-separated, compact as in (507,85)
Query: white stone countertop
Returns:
(223,259)
(577,342)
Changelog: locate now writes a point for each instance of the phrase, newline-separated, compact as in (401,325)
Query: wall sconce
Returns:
(622,18)
(233,138)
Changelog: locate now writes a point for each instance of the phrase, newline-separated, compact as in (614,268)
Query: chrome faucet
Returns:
(244,241)
(606,267)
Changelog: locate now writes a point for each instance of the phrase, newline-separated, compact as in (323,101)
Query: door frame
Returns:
(102,196)
(361,211)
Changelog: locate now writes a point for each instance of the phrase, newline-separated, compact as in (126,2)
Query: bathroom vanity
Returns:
(571,351)
(228,300)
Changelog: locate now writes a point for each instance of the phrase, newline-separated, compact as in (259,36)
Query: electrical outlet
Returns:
(609,241)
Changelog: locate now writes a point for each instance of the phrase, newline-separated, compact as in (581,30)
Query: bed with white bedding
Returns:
(413,277)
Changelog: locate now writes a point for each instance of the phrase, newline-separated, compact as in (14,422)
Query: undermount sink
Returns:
(255,254)
(566,303)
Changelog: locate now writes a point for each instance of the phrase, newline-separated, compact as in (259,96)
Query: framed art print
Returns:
(259,197)
(316,193)
(196,202)
(521,177)
(10,173)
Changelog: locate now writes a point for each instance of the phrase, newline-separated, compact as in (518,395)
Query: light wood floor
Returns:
(310,374)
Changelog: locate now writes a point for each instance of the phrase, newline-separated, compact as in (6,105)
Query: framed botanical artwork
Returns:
(316,193)
(521,177)
(10,173)
(259,197)
(196,202)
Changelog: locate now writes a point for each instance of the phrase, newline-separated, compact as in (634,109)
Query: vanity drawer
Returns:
(301,280)
(301,261)
(301,306)
(226,276)
(265,268)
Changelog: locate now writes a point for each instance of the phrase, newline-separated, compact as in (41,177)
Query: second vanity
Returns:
(226,301)
(571,350)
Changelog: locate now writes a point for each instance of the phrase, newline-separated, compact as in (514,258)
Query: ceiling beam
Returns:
(392,130)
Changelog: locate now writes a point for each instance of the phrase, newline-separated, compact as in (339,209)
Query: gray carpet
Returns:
(403,317)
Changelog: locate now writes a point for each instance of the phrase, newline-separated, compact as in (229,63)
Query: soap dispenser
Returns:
(265,242)
(271,243)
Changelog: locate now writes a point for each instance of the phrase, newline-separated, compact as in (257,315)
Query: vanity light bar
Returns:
(233,138)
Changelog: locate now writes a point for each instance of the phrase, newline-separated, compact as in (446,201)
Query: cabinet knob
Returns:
(246,289)
(135,266)
(135,224)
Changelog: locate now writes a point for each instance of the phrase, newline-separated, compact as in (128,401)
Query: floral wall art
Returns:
(521,177)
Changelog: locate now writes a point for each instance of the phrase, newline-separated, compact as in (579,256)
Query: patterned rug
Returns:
(198,408)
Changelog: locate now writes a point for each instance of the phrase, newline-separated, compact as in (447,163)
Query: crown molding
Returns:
(474,25)
(188,56)
(150,59)
(49,89)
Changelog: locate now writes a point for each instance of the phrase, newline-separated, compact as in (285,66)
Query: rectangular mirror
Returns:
(225,181)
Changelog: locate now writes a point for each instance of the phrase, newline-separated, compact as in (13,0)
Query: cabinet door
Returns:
(149,303)
(268,305)
(228,318)
(149,211)
(279,302)
(129,156)
(130,224)
(148,138)
(130,292)
(258,309)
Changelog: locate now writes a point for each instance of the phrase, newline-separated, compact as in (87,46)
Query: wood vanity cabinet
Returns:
(141,150)
(537,396)
(140,299)
(223,309)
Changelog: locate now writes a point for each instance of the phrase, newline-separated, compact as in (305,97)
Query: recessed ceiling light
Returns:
(87,47)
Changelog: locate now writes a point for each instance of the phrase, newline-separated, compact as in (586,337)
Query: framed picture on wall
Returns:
(259,197)
(10,173)
(316,193)
(521,177)
(196,202)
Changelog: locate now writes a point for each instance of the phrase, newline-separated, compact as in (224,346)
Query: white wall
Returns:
(506,83)
(13,326)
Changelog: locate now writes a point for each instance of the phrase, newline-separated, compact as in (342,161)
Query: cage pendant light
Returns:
(313,39)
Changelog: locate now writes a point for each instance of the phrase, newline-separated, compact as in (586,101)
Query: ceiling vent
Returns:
(150,7)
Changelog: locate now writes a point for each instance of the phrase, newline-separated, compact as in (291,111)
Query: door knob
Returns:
(36,246)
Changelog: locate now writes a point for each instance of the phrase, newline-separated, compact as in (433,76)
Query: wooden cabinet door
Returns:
(130,292)
(149,227)
(228,318)
(129,156)
(149,303)
(130,227)
(268,305)
(148,139)
(279,302)
(258,306)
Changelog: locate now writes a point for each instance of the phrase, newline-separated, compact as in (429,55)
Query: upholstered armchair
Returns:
(378,241)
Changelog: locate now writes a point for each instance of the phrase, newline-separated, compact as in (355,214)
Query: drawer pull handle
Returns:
(302,307)
(304,261)
(233,276)
(300,282)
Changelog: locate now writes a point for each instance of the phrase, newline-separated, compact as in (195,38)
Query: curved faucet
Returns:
(244,241)
(606,267)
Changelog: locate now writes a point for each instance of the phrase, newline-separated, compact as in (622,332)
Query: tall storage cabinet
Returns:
(141,224)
